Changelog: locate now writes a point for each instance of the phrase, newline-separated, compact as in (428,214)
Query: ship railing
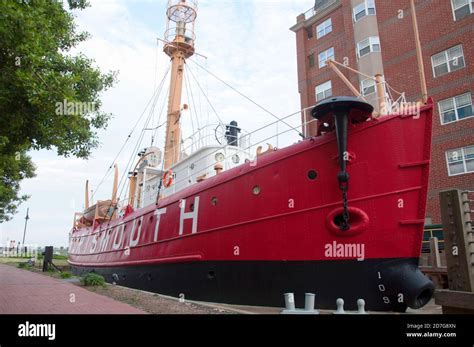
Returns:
(283,132)
(280,133)
(173,32)
(212,134)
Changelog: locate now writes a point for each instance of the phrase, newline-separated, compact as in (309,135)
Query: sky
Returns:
(246,43)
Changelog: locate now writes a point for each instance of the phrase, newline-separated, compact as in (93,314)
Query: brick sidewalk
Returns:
(26,292)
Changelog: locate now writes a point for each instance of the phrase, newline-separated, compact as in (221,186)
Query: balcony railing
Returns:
(319,6)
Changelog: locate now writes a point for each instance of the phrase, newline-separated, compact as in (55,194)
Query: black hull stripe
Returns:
(382,283)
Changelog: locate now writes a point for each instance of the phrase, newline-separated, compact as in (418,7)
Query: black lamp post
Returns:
(26,223)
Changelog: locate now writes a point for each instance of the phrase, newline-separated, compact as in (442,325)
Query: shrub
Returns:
(93,279)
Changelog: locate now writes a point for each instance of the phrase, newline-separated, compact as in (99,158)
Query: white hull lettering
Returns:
(118,243)
(158,214)
(136,230)
(189,215)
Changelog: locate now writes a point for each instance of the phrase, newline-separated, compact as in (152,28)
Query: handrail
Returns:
(201,140)
(172,32)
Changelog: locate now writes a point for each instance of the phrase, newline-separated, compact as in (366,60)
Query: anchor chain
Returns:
(344,186)
(345,214)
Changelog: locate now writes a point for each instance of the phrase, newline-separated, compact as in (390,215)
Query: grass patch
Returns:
(12,260)
(65,275)
(25,266)
(92,279)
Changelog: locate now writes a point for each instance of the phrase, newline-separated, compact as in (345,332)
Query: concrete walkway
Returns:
(26,292)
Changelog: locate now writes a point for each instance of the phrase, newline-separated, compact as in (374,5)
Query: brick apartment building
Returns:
(377,37)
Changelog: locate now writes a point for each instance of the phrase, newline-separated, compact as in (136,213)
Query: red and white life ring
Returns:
(168,178)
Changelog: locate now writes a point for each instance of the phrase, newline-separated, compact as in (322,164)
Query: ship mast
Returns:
(179,46)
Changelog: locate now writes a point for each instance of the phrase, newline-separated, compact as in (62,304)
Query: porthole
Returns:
(312,175)
(213,201)
(219,157)
(235,159)
(256,190)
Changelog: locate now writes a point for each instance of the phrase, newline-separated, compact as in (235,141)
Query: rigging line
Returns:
(246,97)
(130,162)
(129,136)
(365,75)
(152,110)
(142,134)
(125,173)
(155,102)
(140,139)
(156,62)
(193,102)
(158,125)
(190,112)
(394,90)
(205,95)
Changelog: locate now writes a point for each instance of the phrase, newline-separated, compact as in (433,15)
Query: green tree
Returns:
(49,97)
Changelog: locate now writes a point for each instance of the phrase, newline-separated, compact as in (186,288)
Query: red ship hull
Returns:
(257,231)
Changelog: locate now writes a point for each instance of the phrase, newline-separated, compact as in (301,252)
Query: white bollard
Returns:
(340,306)
(361,306)
(289,301)
(309,302)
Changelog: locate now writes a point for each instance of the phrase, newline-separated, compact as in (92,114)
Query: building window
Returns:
(323,91)
(324,28)
(456,108)
(448,61)
(462,8)
(323,57)
(309,31)
(364,9)
(370,44)
(311,60)
(367,87)
(460,161)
